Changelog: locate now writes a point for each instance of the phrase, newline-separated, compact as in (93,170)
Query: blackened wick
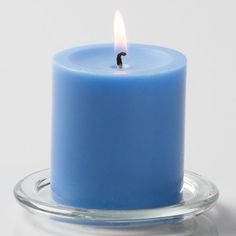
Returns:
(119,59)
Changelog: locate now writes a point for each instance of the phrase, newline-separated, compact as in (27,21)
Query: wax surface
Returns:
(118,135)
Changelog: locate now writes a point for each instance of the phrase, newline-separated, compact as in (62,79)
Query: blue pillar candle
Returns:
(118,134)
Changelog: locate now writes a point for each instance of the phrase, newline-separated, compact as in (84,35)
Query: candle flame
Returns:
(120,40)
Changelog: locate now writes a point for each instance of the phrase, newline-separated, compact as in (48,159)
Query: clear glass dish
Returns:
(34,193)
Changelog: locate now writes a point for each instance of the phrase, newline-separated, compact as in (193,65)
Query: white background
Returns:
(32,31)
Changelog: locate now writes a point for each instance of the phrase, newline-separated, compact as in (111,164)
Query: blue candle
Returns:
(118,134)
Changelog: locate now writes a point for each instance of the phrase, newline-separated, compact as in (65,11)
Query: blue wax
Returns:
(118,134)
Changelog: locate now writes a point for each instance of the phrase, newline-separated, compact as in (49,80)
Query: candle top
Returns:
(101,60)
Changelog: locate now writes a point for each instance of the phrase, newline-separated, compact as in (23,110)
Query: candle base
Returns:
(34,193)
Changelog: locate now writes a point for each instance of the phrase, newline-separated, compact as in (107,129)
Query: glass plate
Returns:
(34,193)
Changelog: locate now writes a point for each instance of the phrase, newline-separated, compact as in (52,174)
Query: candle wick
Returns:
(119,59)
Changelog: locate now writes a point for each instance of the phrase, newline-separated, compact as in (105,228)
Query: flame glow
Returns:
(120,40)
